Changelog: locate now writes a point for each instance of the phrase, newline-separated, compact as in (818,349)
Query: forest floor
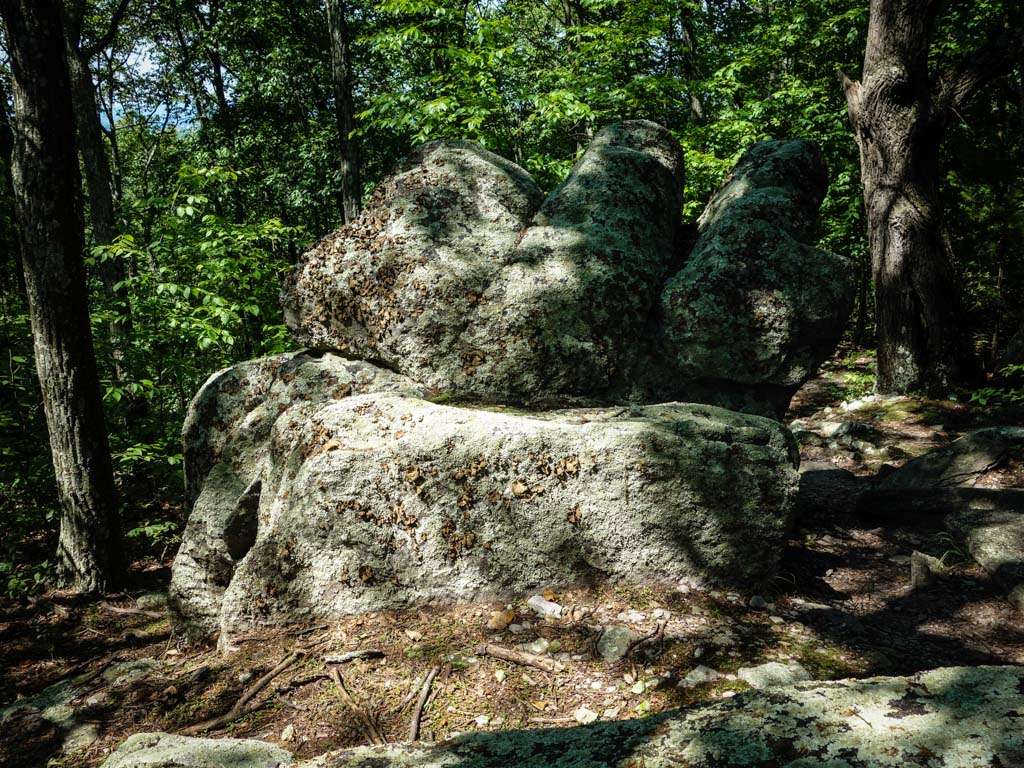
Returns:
(842,606)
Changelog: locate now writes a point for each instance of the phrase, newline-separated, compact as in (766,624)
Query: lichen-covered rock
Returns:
(384,501)
(991,527)
(399,284)
(165,750)
(961,464)
(457,276)
(225,438)
(453,276)
(756,307)
(956,717)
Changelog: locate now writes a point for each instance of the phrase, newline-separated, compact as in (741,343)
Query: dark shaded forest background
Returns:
(220,124)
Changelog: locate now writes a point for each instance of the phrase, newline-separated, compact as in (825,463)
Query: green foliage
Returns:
(1011,391)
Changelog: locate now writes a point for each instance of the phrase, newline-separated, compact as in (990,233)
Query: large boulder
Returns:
(379,501)
(225,439)
(458,276)
(757,308)
(956,717)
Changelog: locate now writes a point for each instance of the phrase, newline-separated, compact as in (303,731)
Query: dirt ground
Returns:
(841,606)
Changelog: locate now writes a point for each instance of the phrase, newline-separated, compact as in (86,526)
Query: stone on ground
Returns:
(994,537)
(376,502)
(961,464)
(956,717)
(773,674)
(614,642)
(165,750)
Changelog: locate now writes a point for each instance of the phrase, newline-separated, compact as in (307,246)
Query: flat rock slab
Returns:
(346,503)
(164,750)
(957,717)
(993,532)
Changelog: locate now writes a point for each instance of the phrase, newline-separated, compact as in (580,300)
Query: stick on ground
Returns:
(372,733)
(417,714)
(362,653)
(242,705)
(520,657)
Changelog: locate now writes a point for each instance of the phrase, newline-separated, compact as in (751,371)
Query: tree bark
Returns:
(899,115)
(48,207)
(341,73)
(99,182)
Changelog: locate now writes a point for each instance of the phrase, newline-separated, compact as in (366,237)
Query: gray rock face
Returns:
(957,717)
(756,308)
(225,438)
(164,750)
(961,482)
(459,277)
(773,675)
(961,464)
(383,501)
(994,535)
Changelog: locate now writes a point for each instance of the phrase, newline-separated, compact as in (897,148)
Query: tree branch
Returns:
(107,37)
(992,60)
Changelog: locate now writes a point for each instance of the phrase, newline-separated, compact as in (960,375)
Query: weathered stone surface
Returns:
(756,308)
(384,501)
(400,283)
(225,437)
(457,275)
(164,750)
(957,717)
(961,464)
(994,536)
(773,674)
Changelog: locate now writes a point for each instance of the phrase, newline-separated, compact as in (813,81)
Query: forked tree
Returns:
(900,111)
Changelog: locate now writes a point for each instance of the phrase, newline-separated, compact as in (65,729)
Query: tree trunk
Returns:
(918,320)
(899,116)
(49,211)
(102,215)
(341,72)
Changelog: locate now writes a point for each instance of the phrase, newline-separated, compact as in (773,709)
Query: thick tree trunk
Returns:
(48,206)
(899,114)
(341,71)
(918,316)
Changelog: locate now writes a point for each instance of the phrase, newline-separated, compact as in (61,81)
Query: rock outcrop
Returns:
(957,717)
(165,750)
(964,483)
(757,308)
(459,277)
(378,501)
(322,486)
(226,434)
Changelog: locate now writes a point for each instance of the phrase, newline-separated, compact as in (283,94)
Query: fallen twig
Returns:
(368,726)
(362,653)
(654,634)
(520,657)
(241,706)
(417,714)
